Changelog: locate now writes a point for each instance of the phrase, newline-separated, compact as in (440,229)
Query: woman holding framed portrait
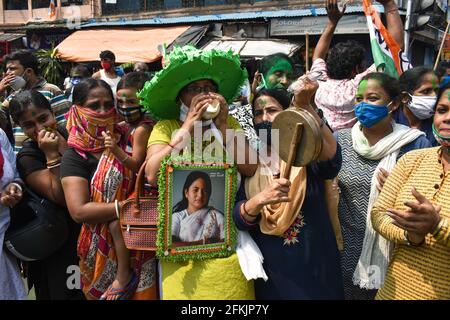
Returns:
(190,98)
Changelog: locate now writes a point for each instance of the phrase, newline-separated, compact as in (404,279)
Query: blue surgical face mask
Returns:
(370,114)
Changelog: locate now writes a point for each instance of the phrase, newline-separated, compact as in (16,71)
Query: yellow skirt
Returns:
(212,279)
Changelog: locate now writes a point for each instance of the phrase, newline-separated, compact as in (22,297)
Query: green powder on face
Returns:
(33,113)
(434,83)
(362,87)
(280,65)
(262,102)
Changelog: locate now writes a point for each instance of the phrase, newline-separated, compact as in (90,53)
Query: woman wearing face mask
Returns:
(421,85)
(288,218)
(95,182)
(413,211)
(373,144)
(38,163)
(190,97)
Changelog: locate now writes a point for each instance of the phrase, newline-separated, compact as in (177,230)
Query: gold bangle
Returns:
(438,227)
(53,162)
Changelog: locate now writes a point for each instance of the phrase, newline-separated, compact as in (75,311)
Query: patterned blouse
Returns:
(416,273)
(336,98)
(354,183)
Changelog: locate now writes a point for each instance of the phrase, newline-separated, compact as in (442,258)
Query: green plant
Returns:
(50,65)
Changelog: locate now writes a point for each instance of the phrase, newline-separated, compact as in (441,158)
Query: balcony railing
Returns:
(133,6)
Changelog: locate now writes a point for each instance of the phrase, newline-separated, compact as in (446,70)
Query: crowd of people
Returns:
(385,149)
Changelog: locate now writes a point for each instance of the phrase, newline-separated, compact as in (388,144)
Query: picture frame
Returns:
(196,201)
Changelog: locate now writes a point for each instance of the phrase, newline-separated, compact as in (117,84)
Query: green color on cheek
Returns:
(33,113)
(362,87)
(448,95)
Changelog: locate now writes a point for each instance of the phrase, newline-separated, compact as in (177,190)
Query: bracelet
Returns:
(438,227)
(53,162)
(54,166)
(412,244)
(245,211)
(116,205)
(124,159)
(18,186)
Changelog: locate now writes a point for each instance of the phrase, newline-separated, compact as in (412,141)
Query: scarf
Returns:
(85,129)
(376,250)
(277,218)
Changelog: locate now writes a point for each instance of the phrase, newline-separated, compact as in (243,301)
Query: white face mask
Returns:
(422,106)
(18,83)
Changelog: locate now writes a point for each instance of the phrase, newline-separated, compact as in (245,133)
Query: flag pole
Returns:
(442,46)
(307,52)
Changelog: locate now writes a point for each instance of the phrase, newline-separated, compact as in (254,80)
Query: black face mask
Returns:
(267,126)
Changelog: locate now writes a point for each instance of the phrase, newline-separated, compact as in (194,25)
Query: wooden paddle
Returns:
(293,149)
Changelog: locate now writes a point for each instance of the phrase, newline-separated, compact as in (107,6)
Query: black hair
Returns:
(82,89)
(81,69)
(22,101)
(26,59)
(107,55)
(194,175)
(269,61)
(442,89)
(343,59)
(441,69)
(389,84)
(281,95)
(411,79)
(135,80)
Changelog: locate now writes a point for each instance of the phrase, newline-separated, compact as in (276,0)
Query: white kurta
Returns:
(11,283)
(205,223)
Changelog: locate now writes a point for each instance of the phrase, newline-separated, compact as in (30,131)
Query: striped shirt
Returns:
(58,101)
(416,272)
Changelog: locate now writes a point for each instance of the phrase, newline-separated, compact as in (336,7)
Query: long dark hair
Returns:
(194,175)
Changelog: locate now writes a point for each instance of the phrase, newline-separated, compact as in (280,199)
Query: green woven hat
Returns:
(185,65)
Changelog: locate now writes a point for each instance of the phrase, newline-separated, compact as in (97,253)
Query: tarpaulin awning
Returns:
(254,48)
(128,45)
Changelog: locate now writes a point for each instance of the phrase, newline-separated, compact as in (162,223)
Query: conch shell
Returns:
(212,110)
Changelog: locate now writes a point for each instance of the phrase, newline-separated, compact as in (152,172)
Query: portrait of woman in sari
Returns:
(193,220)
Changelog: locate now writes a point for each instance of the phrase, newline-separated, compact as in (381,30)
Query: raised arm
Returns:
(334,15)
(393,20)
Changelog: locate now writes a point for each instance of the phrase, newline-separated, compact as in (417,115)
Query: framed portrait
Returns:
(195,210)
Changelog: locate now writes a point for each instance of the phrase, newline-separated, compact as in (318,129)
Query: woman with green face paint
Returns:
(275,72)
(372,146)
(413,211)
